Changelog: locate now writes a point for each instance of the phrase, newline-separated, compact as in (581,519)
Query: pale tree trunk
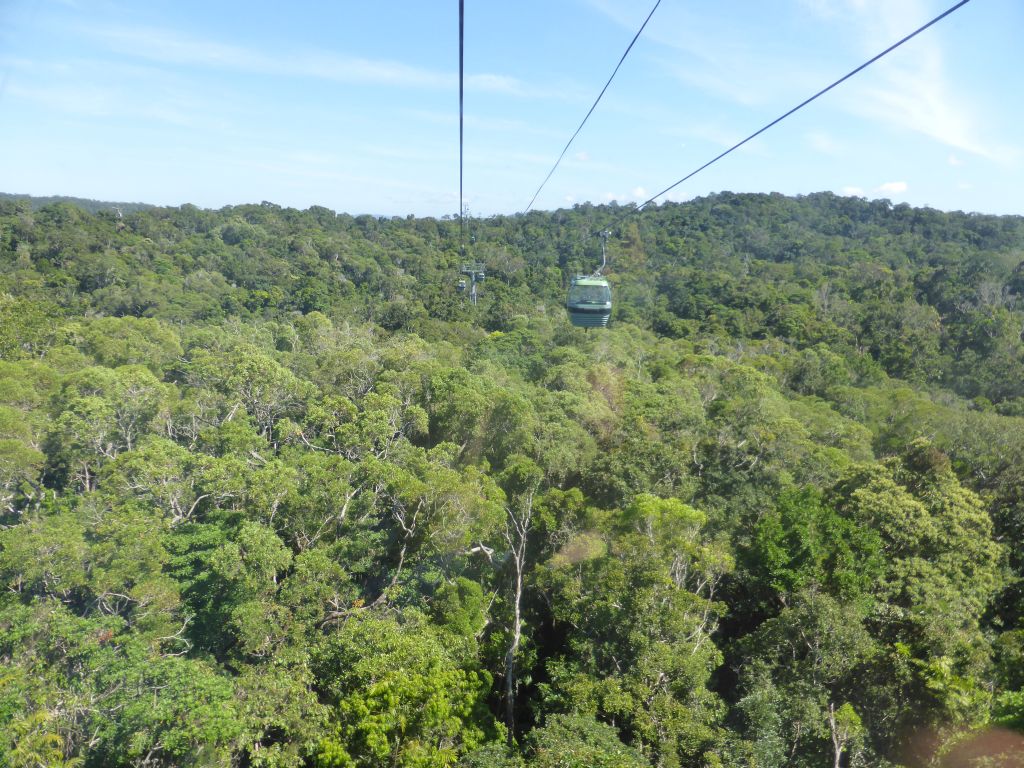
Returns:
(517,529)
(839,736)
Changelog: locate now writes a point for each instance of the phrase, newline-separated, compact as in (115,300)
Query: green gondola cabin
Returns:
(589,302)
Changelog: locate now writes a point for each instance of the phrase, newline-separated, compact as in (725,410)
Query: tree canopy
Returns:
(275,493)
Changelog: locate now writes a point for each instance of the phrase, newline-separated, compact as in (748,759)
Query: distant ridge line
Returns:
(91,206)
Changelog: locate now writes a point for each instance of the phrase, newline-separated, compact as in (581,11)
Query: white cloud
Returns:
(954,160)
(893,187)
(582,156)
(640,193)
(852,191)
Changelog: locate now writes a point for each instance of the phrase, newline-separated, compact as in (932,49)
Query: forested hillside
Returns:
(92,206)
(275,493)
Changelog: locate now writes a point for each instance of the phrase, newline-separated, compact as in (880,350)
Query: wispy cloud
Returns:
(725,83)
(79,100)
(917,99)
(714,133)
(87,90)
(496,84)
(909,92)
(315,167)
(513,126)
(708,51)
(167,46)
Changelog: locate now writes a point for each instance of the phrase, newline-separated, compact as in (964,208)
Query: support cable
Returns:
(462,207)
(592,108)
(803,104)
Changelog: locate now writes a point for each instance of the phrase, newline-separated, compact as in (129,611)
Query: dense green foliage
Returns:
(274,493)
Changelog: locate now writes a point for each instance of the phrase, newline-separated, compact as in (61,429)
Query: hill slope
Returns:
(276,493)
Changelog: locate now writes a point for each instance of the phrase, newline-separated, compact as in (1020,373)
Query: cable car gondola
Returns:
(589,302)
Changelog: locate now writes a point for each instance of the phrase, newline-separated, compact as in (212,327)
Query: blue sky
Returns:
(354,105)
